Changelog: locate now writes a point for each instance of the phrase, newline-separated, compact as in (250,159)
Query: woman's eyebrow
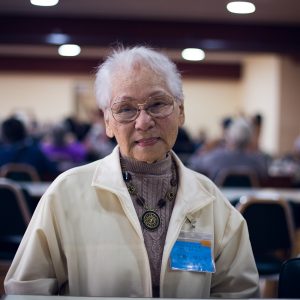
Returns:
(124,98)
(158,93)
(129,98)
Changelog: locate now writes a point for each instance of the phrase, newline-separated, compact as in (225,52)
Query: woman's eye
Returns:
(156,105)
(126,109)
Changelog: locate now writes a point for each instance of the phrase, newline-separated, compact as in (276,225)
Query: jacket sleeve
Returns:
(38,267)
(236,273)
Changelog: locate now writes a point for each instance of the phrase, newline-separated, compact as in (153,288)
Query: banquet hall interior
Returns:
(249,69)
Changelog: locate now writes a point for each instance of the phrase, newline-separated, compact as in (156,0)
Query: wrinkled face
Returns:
(146,139)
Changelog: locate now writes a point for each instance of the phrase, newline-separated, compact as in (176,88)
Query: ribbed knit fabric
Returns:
(152,181)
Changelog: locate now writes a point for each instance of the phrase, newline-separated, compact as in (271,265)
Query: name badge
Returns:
(193,252)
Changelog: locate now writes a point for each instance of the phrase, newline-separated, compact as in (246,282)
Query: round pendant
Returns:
(150,220)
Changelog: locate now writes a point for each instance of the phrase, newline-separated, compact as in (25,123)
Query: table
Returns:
(37,189)
(287,194)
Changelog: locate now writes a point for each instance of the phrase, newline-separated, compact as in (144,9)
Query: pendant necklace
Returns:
(150,218)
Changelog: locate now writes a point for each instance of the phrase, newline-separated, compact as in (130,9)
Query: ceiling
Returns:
(171,25)
(267,11)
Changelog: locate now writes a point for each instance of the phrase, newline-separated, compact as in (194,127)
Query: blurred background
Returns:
(251,65)
(242,101)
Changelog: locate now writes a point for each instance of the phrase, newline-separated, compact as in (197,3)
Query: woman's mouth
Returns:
(147,141)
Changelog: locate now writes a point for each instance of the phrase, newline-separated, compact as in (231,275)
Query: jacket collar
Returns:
(108,174)
(191,194)
(191,197)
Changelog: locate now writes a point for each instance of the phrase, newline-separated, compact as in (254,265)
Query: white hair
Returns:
(239,133)
(128,58)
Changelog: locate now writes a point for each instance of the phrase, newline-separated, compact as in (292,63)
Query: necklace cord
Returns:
(150,218)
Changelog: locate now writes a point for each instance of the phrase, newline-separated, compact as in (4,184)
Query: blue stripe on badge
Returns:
(192,256)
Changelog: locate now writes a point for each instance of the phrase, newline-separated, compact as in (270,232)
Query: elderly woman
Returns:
(136,223)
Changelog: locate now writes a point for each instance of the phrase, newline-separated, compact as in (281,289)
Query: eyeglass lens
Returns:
(158,107)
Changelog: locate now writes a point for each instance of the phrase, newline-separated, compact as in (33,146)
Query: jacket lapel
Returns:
(191,197)
(108,176)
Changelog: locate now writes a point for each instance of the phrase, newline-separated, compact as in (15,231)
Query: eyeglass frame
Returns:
(141,106)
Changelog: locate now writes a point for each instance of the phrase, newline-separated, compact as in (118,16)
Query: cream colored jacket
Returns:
(85,239)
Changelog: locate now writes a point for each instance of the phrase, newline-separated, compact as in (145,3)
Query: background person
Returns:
(18,147)
(236,152)
(136,223)
(61,145)
(97,143)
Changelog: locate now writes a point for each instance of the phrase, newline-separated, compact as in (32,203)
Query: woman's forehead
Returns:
(132,76)
(137,84)
(152,95)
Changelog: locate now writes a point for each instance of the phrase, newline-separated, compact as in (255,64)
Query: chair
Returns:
(237,177)
(14,218)
(19,172)
(289,276)
(271,232)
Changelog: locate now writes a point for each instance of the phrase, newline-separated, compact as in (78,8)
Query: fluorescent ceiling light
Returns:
(44,2)
(241,7)
(193,54)
(57,38)
(69,50)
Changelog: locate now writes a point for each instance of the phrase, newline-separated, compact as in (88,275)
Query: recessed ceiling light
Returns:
(44,2)
(241,7)
(194,54)
(57,38)
(69,50)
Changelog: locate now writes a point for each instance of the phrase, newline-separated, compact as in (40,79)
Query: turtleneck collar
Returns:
(161,167)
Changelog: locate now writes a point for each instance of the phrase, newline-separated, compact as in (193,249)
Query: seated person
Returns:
(219,142)
(288,164)
(184,145)
(235,153)
(97,143)
(18,147)
(62,147)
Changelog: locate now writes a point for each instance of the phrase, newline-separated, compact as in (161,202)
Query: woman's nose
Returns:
(144,121)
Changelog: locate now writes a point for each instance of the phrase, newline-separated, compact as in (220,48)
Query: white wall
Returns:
(261,94)
(52,97)
(290,103)
(49,97)
(269,86)
(207,102)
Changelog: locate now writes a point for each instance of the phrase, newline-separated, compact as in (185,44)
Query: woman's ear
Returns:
(108,129)
(181,114)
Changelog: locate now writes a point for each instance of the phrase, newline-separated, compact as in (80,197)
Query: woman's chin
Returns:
(149,158)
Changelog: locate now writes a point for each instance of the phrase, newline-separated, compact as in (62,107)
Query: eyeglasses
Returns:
(157,107)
